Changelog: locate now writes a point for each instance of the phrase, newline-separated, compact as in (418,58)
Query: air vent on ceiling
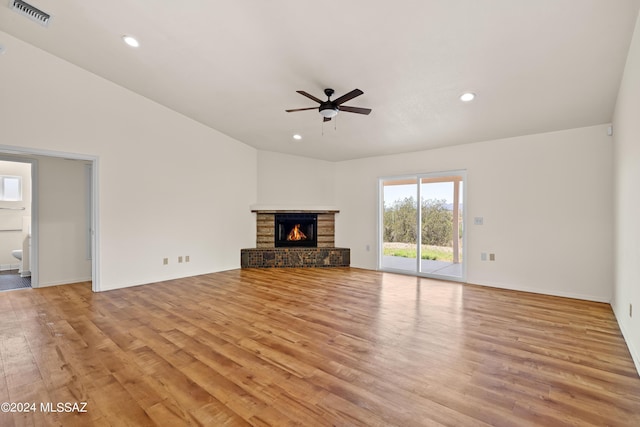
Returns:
(31,12)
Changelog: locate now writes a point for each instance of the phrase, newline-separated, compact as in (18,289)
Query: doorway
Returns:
(15,223)
(48,235)
(422,225)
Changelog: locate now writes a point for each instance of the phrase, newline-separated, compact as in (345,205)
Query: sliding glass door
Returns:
(422,225)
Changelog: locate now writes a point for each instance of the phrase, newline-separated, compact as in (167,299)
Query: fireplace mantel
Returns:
(271,209)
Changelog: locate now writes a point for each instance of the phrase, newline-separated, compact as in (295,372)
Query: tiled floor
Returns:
(11,280)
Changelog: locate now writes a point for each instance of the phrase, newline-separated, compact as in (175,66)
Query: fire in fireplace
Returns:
(296,234)
(296,229)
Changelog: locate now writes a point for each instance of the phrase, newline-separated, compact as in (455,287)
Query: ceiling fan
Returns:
(330,108)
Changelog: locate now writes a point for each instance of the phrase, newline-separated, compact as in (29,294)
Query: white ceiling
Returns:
(235,65)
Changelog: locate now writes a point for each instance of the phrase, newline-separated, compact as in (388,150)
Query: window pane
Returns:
(11,188)
(400,220)
(441,235)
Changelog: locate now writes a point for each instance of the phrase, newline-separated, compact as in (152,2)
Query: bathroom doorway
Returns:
(16,195)
(64,230)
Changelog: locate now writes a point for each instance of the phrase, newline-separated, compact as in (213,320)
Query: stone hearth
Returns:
(295,257)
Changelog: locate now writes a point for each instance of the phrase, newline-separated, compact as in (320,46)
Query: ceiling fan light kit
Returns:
(328,112)
(329,109)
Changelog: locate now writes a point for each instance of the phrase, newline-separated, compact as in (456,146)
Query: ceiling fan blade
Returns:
(347,96)
(326,119)
(301,109)
(355,109)
(301,92)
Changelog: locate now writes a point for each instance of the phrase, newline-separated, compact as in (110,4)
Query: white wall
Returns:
(291,180)
(627,179)
(546,202)
(62,222)
(168,186)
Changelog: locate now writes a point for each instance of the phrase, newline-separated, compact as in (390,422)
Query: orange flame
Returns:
(295,234)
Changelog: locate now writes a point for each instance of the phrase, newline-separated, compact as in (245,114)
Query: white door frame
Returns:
(95,228)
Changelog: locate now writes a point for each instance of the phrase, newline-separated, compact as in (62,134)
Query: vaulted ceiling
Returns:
(235,65)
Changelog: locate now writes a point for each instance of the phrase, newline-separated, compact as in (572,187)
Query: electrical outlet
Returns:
(180,259)
(492,257)
(630,310)
(165,261)
(186,258)
(483,256)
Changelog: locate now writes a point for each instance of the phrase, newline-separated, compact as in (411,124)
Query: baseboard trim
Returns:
(555,293)
(64,282)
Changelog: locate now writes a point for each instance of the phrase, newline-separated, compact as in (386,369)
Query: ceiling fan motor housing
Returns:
(328,109)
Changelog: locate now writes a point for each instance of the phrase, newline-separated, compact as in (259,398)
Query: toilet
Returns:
(17,254)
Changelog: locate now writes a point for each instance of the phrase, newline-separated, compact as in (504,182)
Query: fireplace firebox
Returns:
(296,230)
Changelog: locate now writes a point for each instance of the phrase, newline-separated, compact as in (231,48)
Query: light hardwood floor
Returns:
(313,347)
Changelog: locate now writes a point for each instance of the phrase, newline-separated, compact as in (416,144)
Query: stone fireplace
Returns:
(295,238)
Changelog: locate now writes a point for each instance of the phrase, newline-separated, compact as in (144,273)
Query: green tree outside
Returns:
(400,224)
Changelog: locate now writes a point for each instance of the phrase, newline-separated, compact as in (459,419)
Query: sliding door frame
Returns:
(418,181)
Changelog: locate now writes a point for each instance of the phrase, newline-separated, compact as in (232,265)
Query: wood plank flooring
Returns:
(313,347)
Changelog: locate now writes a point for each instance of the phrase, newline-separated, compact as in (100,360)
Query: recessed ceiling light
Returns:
(131,41)
(466,97)
(297,137)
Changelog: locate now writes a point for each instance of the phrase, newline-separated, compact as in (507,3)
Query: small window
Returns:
(10,188)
